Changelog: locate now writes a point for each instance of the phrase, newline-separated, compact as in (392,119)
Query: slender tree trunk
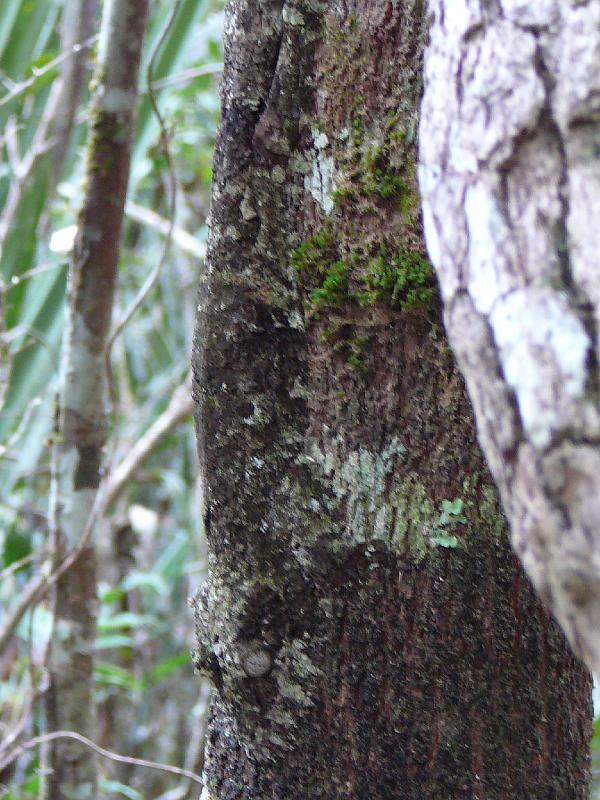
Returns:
(365,624)
(69,769)
(78,25)
(510,179)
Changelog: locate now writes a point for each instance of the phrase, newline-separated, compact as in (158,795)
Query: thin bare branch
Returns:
(16,731)
(24,423)
(11,142)
(180,407)
(187,75)
(184,240)
(31,593)
(194,757)
(16,566)
(37,72)
(40,145)
(138,762)
(31,273)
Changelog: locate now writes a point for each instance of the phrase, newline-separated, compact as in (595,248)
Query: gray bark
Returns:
(510,179)
(365,624)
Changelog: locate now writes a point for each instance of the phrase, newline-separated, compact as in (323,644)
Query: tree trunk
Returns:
(510,180)
(365,624)
(69,769)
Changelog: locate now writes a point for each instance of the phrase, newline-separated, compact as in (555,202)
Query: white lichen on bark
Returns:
(321,182)
(510,181)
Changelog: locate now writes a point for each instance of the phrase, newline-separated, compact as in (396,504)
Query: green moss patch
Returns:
(402,279)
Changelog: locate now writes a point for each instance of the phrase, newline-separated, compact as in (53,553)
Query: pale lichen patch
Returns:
(115,100)
(320,182)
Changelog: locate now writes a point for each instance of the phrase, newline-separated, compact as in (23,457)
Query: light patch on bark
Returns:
(510,179)
(543,349)
(116,100)
(320,183)
(71,635)
(487,238)
(84,367)
(205,793)
(382,502)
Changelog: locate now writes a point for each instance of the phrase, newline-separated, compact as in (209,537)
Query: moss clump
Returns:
(384,170)
(106,130)
(378,175)
(356,356)
(341,196)
(335,286)
(402,279)
(311,254)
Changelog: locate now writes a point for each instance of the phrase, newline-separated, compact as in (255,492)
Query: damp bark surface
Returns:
(510,176)
(368,630)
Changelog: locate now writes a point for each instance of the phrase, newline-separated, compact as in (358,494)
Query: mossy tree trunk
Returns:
(368,630)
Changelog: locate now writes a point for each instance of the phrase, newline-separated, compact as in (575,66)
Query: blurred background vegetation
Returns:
(150,704)
(152,558)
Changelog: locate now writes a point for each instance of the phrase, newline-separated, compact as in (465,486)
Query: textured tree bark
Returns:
(510,179)
(69,770)
(364,622)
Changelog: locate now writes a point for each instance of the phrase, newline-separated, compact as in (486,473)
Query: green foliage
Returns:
(310,255)
(444,540)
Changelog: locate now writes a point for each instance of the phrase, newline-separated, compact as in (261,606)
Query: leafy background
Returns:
(152,555)
(150,704)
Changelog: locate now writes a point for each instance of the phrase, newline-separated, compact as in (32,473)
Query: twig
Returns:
(145,216)
(16,566)
(27,596)
(38,72)
(181,237)
(39,145)
(194,757)
(31,273)
(17,729)
(137,762)
(11,143)
(180,406)
(24,423)
(188,75)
